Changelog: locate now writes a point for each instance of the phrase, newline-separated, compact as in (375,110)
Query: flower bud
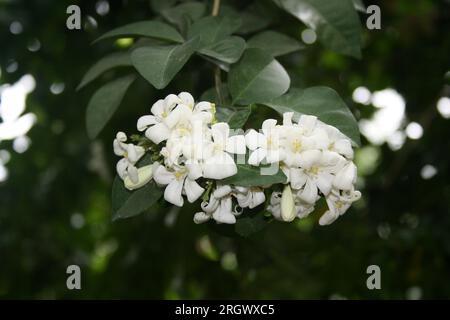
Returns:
(287,205)
(144,174)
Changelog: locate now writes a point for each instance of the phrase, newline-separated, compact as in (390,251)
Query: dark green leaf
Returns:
(322,102)
(185,12)
(228,50)
(211,96)
(151,29)
(250,176)
(335,21)
(274,43)
(211,30)
(250,224)
(119,59)
(126,204)
(257,77)
(159,64)
(104,103)
(235,117)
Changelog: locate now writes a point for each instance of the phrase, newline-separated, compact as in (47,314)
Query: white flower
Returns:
(346,177)
(155,125)
(179,181)
(219,207)
(265,145)
(338,142)
(317,174)
(131,154)
(144,173)
(249,197)
(338,203)
(295,142)
(218,164)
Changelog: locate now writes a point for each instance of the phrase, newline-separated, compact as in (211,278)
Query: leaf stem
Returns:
(216,7)
(217,72)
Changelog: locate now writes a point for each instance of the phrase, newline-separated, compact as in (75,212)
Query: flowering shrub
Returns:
(193,156)
(198,152)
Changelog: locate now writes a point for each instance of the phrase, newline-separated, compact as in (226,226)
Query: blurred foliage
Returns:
(55,206)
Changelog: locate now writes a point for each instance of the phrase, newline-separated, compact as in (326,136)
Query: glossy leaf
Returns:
(104,103)
(211,30)
(322,102)
(335,21)
(257,77)
(235,117)
(119,59)
(184,13)
(228,50)
(126,204)
(274,43)
(151,29)
(250,176)
(159,64)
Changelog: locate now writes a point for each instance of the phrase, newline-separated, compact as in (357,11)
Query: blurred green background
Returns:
(55,183)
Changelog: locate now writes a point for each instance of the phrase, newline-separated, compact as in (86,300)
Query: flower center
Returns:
(296,146)
(179,175)
(314,170)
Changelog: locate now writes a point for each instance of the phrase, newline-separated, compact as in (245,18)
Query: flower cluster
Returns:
(193,153)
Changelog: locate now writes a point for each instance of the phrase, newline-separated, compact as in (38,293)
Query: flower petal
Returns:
(219,167)
(145,121)
(158,133)
(158,108)
(162,176)
(309,192)
(187,99)
(173,191)
(201,217)
(268,126)
(257,156)
(236,144)
(255,140)
(220,132)
(193,190)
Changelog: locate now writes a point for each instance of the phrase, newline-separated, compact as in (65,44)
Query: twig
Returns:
(217,72)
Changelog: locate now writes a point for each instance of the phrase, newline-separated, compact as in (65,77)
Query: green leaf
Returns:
(228,50)
(359,5)
(126,204)
(322,102)
(335,21)
(250,224)
(257,77)
(151,29)
(250,176)
(236,117)
(118,59)
(252,23)
(159,64)
(274,43)
(104,103)
(211,30)
(184,13)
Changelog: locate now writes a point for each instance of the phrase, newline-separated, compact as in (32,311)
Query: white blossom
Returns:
(131,154)
(265,145)
(338,203)
(179,181)
(218,164)
(249,197)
